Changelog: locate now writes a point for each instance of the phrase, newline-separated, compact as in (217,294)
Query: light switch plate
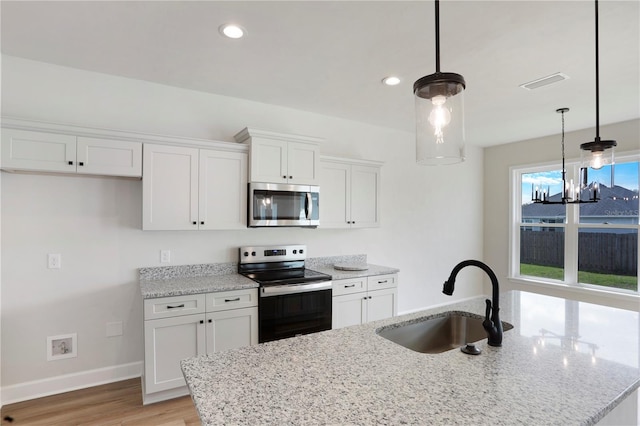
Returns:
(54,261)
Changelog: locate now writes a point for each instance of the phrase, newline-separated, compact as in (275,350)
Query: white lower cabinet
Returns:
(180,327)
(167,341)
(365,299)
(232,329)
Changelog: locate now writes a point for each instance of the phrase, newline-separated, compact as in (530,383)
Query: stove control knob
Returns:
(295,251)
(253,253)
(301,251)
(246,253)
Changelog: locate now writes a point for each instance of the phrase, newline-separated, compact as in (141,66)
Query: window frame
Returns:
(570,227)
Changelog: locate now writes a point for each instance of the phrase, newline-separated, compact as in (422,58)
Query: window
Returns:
(591,245)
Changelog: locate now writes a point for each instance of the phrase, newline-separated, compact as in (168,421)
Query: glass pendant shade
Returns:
(439,100)
(597,154)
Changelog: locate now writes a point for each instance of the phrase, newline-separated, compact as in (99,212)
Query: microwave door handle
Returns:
(308,206)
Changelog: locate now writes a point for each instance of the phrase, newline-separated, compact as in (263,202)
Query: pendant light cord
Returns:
(437,36)
(597,81)
(564,171)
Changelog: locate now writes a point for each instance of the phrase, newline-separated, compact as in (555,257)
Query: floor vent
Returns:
(545,81)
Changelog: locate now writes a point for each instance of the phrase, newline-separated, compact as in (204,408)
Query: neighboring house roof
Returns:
(614,202)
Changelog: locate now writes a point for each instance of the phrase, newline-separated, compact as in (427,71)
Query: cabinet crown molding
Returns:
(346,160)
(247,133)
(70,129)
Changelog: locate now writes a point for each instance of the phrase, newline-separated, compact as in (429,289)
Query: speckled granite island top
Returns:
(584,366)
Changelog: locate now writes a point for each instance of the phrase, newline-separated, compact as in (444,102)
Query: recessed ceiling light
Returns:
(391,81)
(231,30)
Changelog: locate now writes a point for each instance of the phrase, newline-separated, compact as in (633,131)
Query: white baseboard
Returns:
(69,382)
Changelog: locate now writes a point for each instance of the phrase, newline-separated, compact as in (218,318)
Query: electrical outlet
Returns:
(54,261)
(165,256)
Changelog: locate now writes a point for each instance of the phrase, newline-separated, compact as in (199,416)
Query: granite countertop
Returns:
(179,280)
(165,287)
(342,275)
(354,376)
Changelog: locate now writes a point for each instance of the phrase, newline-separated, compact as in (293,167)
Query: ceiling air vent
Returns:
(544,81)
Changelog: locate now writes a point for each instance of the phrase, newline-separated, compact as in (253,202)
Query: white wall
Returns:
(431,217)
(498,160)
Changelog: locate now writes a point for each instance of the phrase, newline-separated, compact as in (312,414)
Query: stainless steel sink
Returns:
(440,333)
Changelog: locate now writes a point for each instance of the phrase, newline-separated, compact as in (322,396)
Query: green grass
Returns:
(616,281)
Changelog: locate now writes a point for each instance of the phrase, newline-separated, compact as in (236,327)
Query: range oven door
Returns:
(290,313)
(272,204)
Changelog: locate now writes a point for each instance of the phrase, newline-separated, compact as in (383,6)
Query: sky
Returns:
(625,175)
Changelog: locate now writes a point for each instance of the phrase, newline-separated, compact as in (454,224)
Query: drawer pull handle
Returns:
(201,321)
(349,286)
(175,307)
(382,282)
(237,299)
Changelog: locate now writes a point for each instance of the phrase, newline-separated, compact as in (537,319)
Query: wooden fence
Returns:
(600,252)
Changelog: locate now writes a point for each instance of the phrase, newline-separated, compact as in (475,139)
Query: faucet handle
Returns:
(487,315)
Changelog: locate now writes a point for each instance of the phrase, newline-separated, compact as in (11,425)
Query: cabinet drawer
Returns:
(174,306)
(378,282)
(349,286)
(223,300)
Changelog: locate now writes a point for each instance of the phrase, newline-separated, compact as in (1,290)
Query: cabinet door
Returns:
(303,161)
(109,157)
(348,309)
(382,304)
(223,190)
(335,195)
(232,329)
(170,188)
(365,194)
(38,151)
(268,162)
(166,342)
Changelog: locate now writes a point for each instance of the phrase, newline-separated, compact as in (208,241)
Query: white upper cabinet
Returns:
(170,188)
(268,161)
(349,193)
(52,152)
(188,188)
(281,158)
(223,190)
(108,157)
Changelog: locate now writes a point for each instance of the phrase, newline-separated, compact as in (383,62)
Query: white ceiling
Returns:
(329,57)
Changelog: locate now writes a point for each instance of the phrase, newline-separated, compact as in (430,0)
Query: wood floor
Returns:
(113,404)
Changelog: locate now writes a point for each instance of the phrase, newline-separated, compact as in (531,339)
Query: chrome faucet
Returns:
(491,323)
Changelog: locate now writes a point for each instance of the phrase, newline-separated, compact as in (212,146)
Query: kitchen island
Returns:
(564,362)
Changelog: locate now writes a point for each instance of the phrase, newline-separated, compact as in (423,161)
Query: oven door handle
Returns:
(278,290)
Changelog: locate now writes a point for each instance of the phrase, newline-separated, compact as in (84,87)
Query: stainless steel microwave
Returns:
(276,204)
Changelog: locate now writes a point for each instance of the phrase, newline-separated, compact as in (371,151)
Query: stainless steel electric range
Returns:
(293,300)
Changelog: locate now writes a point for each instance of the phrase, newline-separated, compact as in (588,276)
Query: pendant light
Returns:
(571,193)
(439,100)
(598,153)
